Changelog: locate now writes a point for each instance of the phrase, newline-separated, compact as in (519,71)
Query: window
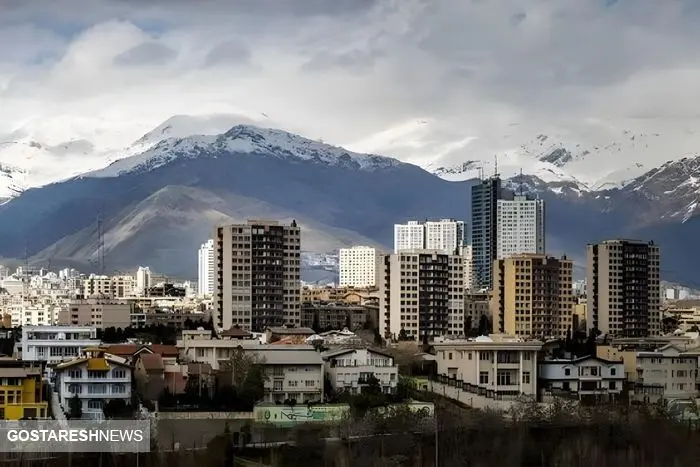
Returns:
(526,377)
(75,373)
(118,373)
(119,388)
(483,377)
(310,383)
(449,356)
(504,378)
(567,371)
(612,371)
(612,385)
(277,386)
(483,356)
(293,384)
(75,388)
(95,404)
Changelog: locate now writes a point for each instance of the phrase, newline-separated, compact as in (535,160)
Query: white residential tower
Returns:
(358,266)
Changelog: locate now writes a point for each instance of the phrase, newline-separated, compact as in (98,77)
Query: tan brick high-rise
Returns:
(532,296)
(257,278)
(623,288)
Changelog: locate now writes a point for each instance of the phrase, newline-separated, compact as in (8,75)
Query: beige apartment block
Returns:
(502,365)
(109,286)
(101,313)
(257,275)
(532,296)
(623,291)
(667,373)
(421,294)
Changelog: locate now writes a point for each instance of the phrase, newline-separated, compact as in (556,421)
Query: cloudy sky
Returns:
(426,76)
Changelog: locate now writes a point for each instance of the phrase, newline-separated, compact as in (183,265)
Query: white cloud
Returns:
(485,75)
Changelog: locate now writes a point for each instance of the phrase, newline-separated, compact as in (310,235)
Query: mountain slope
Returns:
(172,222)
(158,206)
(335,192)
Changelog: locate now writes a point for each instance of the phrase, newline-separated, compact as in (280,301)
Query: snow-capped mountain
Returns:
(595,161)
(672,189)
(244,139)
(43,151)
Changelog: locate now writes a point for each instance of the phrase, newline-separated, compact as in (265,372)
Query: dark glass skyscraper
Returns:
(485,196)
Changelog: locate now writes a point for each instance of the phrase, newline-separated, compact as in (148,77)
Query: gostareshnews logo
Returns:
(50,436)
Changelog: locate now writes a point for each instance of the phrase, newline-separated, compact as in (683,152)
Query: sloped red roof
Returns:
(123,350)
(152,362)
(126,350)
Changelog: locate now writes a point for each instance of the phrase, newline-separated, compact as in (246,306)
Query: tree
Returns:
(75,408)
(116,408)
(484,326)
(403,336)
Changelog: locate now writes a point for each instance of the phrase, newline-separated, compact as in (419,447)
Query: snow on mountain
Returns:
(244,139)
(674,187)
(595,155)
(182,126)
(42,151)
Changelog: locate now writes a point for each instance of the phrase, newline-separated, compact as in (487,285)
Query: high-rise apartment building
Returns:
(205,276)
(468,267)
(532,296)
(519,226)
(484,208)
(257,275)
(421,294)
(357,266)
(445,236)
(143,280)
(623,288)
(409,236)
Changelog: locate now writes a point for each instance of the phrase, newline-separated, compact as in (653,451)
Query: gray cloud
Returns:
(229,53)
(344,69)
(149,53)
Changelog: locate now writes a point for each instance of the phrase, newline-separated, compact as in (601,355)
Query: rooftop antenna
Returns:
(495,165)
(520,182)
(481,173)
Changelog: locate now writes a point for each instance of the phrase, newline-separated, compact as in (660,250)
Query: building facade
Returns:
(409,236)
(143,280)
(666,373)
(532,296)
(484,209)
(54,344)
(292,373)
(21,391)
(623,282)
(93,379)
(421,295)
(258,278)
(349,370)
(501,365)
(444,235)
(357,266)
(520,226)
(205,276)
(587,378)
(101,313)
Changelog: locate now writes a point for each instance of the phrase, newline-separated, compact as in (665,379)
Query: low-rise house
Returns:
(585,378)
(349,370)
(21,390)
(667,373)
(95,378)
(149,373)
(199,346)
(294,372)
(493,366)
(131,352)
(54,344)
